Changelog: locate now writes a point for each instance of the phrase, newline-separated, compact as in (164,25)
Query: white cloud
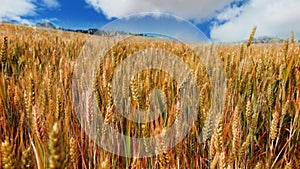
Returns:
(229,13)
(276,18)
(51,3)
(196,10)
(13,10)
(16,10)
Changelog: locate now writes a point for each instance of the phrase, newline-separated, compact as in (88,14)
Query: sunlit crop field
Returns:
(258,126)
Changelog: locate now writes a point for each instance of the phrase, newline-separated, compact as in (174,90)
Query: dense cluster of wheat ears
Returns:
(259,125)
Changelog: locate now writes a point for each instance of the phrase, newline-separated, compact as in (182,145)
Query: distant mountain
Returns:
(260,40)
(267,39)
(95,31)
(47,25)
(264,39)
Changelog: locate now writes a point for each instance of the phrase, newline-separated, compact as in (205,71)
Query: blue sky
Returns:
(226,20)
(75,14)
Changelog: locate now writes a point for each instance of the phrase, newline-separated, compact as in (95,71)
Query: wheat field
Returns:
(258,126)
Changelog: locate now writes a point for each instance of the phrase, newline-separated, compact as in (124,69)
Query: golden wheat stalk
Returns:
(57,155)
(38,123)
(26,159)
(4,52)
(274,125)
(8,155)
(245,145)
(251,36)
(73,150)
(236,138)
